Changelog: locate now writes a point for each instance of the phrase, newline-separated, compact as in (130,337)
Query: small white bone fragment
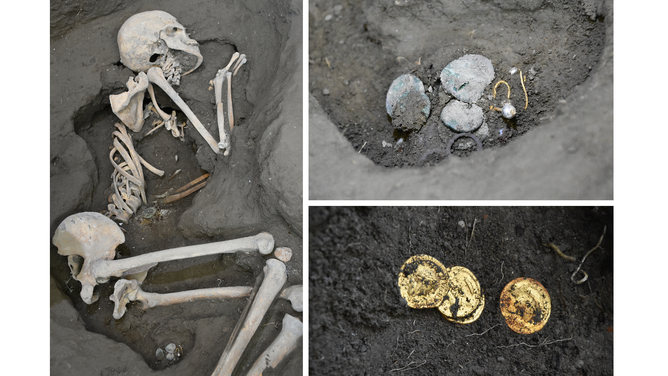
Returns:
(94,239)
(155,76)
(168,121)
(91,236)
(275,277)
(283,345)
(283,253)
(295,295)
(128,106)
(126,291)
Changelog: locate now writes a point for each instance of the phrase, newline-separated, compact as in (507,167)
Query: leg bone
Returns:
(282,346)
(126,291)
(295,295)
(155,76)
(275,277)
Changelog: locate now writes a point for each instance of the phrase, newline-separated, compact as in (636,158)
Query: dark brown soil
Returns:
(359,324)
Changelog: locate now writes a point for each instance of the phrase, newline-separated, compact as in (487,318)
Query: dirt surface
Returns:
(356,49)
(359,324)
(257,188)
(565,150)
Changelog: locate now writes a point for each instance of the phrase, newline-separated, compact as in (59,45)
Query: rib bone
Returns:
(155,76)
(126,291)
(275,277)
(283,345)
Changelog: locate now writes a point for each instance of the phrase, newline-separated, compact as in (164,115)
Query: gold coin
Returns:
(472,317)
(463,295)
(526,305)
(422,281)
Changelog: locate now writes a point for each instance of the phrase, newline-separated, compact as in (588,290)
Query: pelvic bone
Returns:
(283,345)
(275,277)
(126,291)
(87,235)
(91,236)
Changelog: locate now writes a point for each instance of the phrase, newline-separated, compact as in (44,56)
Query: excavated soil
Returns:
(356,49)
(360,325)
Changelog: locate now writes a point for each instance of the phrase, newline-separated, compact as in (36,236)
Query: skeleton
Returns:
(126,291)
(155,45)
(275,277)
(95,237)
(283,345)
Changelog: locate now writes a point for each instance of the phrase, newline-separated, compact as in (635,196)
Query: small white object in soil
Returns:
(337,9)
(176,157)
(325,91)
(387,144)
(401,141)
(462,224)
(159,354)
(328,17)
(170,348)
(513,70)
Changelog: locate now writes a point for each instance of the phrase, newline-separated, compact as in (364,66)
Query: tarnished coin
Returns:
(526,305)
(473,316)
(463,295)
(422,281)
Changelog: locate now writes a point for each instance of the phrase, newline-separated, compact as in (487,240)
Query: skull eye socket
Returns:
(154,58)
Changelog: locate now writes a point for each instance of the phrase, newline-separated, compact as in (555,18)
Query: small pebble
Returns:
(283,253)
(387,144)
(325,91)
(159,354)
(500,359)
(170,348)
(337,9)
(461,224)
(169,356)
(328,17)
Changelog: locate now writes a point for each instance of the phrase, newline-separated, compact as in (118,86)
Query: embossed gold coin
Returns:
(463,301)
(526,305)
(423,281)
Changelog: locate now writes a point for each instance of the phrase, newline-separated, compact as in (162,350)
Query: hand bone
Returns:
(128,106)
(275,277)
(295,295)
(126,291)
(95,237)
(283,345)
(155,76)
(168,121)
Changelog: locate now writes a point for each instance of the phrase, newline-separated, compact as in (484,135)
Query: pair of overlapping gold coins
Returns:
(424,282)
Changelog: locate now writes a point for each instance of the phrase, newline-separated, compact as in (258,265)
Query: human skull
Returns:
(156,39)
(90,236)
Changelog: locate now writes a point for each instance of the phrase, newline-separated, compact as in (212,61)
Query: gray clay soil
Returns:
(357,48)
(359,324)
(257,188)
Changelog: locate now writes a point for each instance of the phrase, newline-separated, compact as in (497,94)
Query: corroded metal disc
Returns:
(423,281)
(463,294)
(463,297)
(526,305)
(472,317)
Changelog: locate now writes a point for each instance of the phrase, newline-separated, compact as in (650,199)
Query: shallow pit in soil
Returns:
(356,50)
